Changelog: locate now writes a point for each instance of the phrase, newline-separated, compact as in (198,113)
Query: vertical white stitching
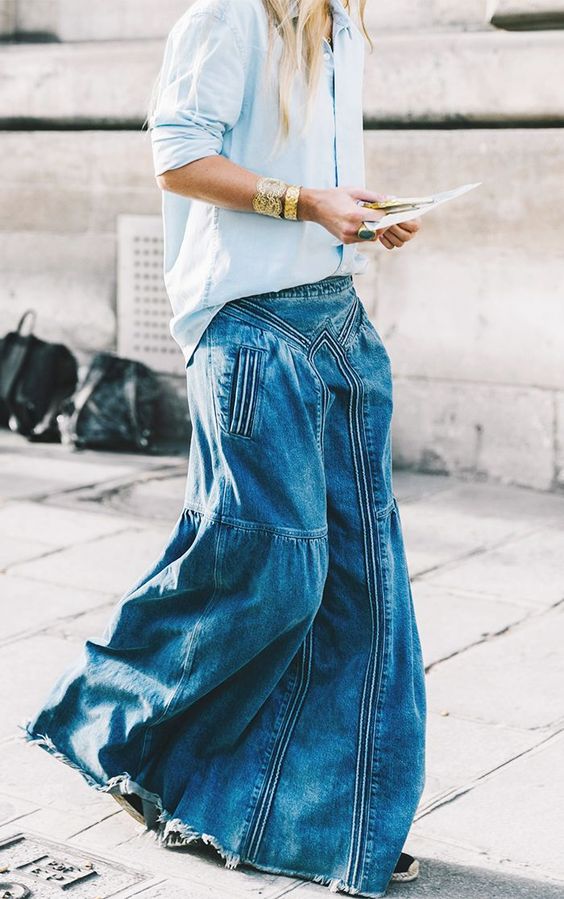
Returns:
(242,377)
(236,387)
(277,758)
(248,424)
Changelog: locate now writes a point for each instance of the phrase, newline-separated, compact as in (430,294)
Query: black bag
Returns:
(35,378)
(113,407)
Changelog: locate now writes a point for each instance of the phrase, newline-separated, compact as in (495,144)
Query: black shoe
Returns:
(406,869)
(132,804)
(144,811)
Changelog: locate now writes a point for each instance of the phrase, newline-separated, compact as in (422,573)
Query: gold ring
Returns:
(366,233)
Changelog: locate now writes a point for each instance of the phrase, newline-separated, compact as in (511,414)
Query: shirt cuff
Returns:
(174,147)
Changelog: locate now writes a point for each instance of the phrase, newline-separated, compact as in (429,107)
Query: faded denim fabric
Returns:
(214,99)
(263,680)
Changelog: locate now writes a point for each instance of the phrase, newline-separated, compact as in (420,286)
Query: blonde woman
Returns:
(261,686)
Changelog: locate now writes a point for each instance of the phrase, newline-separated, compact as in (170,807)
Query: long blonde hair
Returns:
(301,52)
(301,48)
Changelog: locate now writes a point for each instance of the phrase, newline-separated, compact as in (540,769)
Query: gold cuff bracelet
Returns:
(268,197)
(291,202)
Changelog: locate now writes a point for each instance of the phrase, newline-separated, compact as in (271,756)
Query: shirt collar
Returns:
(341,18)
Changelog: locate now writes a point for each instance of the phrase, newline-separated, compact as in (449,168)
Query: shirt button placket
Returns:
(329,56)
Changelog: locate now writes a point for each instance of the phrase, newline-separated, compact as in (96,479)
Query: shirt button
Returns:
(325,55)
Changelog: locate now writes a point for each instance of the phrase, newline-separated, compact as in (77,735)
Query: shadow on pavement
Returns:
(442,880)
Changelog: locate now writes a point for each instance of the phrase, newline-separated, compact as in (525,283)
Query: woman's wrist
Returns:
(308,204)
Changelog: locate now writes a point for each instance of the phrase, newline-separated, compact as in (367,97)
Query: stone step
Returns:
(444,77)
(110,82)
(465,77)
(411,15)
(106,19)
(7,17)
(63,20)
(132,19)
(528,15)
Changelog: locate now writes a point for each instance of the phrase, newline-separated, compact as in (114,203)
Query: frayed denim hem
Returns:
(171,832)
(169,827)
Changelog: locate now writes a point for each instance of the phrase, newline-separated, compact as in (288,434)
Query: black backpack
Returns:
(35,378)
(113,407)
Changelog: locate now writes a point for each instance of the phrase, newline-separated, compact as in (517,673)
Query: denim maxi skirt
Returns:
(262,683)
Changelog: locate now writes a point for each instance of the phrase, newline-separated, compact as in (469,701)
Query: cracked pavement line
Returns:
(531,614)
(456,792)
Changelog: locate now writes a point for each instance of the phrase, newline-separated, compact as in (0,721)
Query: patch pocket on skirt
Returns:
(245,389)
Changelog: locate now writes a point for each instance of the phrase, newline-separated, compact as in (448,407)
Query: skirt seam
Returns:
(320,534)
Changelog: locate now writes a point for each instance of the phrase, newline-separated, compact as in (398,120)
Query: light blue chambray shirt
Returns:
(213,98)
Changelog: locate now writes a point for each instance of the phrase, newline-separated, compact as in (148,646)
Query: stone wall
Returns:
(472,315)
(471,312)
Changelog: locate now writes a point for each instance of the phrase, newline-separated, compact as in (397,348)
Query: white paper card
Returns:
(395,218)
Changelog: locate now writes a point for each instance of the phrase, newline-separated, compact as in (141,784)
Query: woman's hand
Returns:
(337,210)
(398,235)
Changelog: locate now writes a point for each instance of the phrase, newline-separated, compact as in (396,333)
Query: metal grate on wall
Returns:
(143,307)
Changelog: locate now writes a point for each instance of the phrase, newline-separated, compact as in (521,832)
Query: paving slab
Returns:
(441,880)
(515,679)
(200,864)
(12,443)
(54,474)
(31,605)
(156,497)
(115,828)
(435,537)
(177,889)
(447,881)
(111,564)
(518,506)
(12,808)
(436,533)
(527,569)
(451,620)
(29,668)
(89,626)
(53,526)
(28,772)
(516,814)
(451,852)
(62,825)
(14,549)
(496,671)
(410,486)
(459,752)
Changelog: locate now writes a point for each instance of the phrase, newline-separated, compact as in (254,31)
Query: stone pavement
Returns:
(487,565)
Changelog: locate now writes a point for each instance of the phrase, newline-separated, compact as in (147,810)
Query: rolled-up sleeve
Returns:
(200,90)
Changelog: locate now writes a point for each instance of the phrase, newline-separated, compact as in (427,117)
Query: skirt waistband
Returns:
(332,286)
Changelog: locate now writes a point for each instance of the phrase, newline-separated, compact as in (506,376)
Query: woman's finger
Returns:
(393,237)
(401,232)
(386,242)
(412,225)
